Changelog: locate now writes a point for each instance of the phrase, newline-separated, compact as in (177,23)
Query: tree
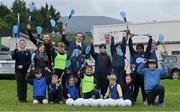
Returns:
(4,11)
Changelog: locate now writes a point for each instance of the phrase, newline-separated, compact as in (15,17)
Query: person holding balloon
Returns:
(137,57)
(118,62)
(37,42)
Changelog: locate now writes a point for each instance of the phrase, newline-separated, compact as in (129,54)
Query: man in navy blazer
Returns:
(72,44)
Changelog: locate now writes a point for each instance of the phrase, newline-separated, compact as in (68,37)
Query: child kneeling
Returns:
(88,84)
(39,87)
(152,76)
(114,90)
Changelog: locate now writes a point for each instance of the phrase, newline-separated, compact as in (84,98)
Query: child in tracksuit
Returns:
(77,61)
(102,67)
(88,83)
(129,89)
(55,90)
(39,87)
(152,76)
(135,55)
(118,62)
(114,90)
(72,87)
(22,58)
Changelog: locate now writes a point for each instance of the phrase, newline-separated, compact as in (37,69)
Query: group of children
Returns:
(108,79)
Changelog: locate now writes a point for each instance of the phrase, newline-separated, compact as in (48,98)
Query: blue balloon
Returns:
(72,11)
(68,63)
(88,49)
(53,22)
(39,29)
(161,38)
(31,7)
(119,52)
(139,60)
(76,52)
(15,29)
(123,14)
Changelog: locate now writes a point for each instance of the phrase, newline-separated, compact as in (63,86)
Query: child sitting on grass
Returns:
(152,76)
(129,88)
(72,87)
(114,90)
(88,83)
(39,87)
(55,90)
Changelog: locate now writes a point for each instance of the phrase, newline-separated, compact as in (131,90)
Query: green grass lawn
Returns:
(8,100)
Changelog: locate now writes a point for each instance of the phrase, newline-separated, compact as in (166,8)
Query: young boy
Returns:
(60,58)
(114,90)
(55,90)
(152,76)
(129,89)
(77,62)
(22,58)
(72,87)
(88,84)
(102,67)
(39,87)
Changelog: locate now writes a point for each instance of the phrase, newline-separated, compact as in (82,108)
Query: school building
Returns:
(170,29)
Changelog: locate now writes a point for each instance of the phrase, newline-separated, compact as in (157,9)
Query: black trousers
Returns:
(90,94)
(138,83)
(102,83)
(56,95)
(21,85)
(157,90)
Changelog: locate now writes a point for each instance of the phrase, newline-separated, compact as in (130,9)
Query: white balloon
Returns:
(70,102)
(86,102)
(128,102)
(79,102)
(92,102)
(120,102)
(98,102)
(103,103)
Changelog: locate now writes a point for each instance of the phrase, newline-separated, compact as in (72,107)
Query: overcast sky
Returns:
(136,10)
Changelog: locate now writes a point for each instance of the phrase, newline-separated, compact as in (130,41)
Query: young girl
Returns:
(72,87)
(102,67)
(114,90)
(41,60)
(152,76)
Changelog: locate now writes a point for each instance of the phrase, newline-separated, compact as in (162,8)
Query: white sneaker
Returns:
(45,101)
(35,101)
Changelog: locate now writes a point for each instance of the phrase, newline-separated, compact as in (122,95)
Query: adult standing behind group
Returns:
(72,44)
(46,41)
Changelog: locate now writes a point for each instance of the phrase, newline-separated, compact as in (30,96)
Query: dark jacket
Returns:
(22,58)
(48,46)
(72,45)
(118,61)
(101,66)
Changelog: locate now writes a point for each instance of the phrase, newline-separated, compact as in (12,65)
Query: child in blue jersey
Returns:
(55,90)
(114,90)
(152,76)
(72,87)
(39,87)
